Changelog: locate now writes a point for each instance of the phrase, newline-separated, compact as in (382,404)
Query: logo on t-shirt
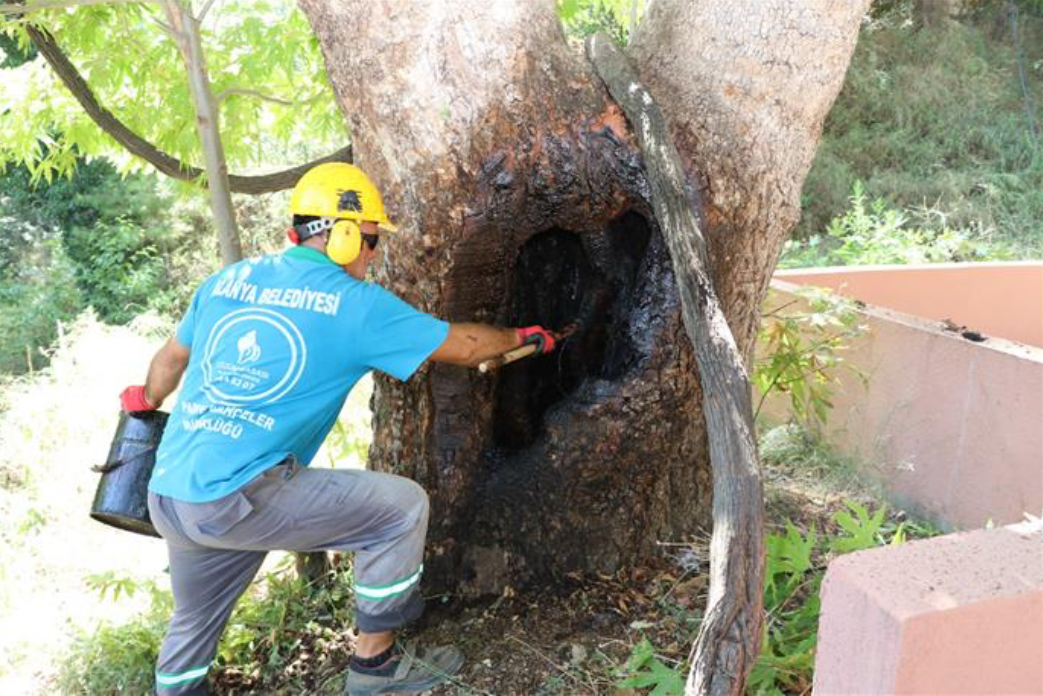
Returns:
(249,351)
(237,372)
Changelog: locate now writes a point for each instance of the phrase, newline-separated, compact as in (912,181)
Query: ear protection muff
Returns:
(345,242)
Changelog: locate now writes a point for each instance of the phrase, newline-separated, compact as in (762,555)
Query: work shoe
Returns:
(418,669)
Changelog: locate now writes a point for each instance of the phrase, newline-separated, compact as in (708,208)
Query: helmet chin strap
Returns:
(310,229)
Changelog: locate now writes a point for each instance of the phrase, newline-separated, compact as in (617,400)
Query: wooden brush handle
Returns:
(508,357)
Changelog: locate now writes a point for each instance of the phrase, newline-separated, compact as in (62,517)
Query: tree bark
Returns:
(185,28)
(745,87)
(522,199)
(730,635)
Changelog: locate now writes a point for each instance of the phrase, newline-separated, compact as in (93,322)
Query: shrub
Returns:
(287,633)
(873,233)
(801,347)
(33,302)
(93,239)
(118,659)
(283,635)
(120,271)
(795,563)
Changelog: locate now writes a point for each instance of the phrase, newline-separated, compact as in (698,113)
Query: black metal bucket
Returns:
(122,496)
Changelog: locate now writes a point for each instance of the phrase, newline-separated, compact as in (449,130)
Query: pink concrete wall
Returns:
(996,299)
(953,428)
(958,614)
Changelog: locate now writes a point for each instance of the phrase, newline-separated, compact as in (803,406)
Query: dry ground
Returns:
(572,639)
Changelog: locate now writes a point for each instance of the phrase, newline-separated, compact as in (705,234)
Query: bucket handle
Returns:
(112,466)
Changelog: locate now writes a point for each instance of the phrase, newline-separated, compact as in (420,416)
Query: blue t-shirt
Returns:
(276,344)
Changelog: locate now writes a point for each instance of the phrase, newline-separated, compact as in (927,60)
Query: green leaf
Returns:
(861,530)
(136,72)
(648,672)
(791,553)
(567,9)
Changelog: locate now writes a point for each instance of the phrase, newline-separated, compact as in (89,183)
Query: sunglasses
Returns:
(371,240)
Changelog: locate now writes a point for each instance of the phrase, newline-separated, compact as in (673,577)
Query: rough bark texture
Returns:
(745,87)
(730,635)
(523,200)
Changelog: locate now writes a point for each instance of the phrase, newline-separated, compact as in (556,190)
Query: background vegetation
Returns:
(935,138)
(89,225)
(262,59)
(932,153)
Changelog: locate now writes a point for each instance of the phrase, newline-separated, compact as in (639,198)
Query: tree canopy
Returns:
(264,65)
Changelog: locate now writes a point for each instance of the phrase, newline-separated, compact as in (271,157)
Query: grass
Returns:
(55,424)
(794,456)
(55,561)
(285,635)
(117,658)
(933,121)
(818,508)
(870,232)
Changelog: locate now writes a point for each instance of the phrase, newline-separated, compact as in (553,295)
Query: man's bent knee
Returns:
(421,504)
(411,499)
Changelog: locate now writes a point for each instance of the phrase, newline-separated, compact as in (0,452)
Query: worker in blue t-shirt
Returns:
(269,350)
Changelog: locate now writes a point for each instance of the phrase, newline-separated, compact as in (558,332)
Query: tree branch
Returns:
(10,8)
(171,166)
(208,127)
(206,8)
(729,638)
(165,28)
(252,93)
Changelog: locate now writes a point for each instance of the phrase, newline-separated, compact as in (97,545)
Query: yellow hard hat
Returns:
(339,190)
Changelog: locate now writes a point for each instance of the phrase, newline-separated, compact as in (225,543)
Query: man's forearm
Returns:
(469,343)
(165,370)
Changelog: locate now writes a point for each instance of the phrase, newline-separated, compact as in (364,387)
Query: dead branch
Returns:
(730,636)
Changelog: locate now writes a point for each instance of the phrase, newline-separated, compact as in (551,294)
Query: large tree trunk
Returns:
(746,87)
(730,634)
(524,201)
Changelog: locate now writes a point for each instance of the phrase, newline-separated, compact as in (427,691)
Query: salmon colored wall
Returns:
(996,299)
(958,614)
(953,428)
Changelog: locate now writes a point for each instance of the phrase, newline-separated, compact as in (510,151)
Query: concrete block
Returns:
(958,614)
(950,426)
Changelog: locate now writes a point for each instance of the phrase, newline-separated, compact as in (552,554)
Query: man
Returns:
(269,350)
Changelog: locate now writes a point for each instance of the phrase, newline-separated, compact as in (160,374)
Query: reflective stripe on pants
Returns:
(216,548)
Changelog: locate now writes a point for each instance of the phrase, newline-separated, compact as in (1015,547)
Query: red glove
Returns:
(134,399)
(543,339)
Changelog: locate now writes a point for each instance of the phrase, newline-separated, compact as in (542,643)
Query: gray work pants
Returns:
(216,549)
